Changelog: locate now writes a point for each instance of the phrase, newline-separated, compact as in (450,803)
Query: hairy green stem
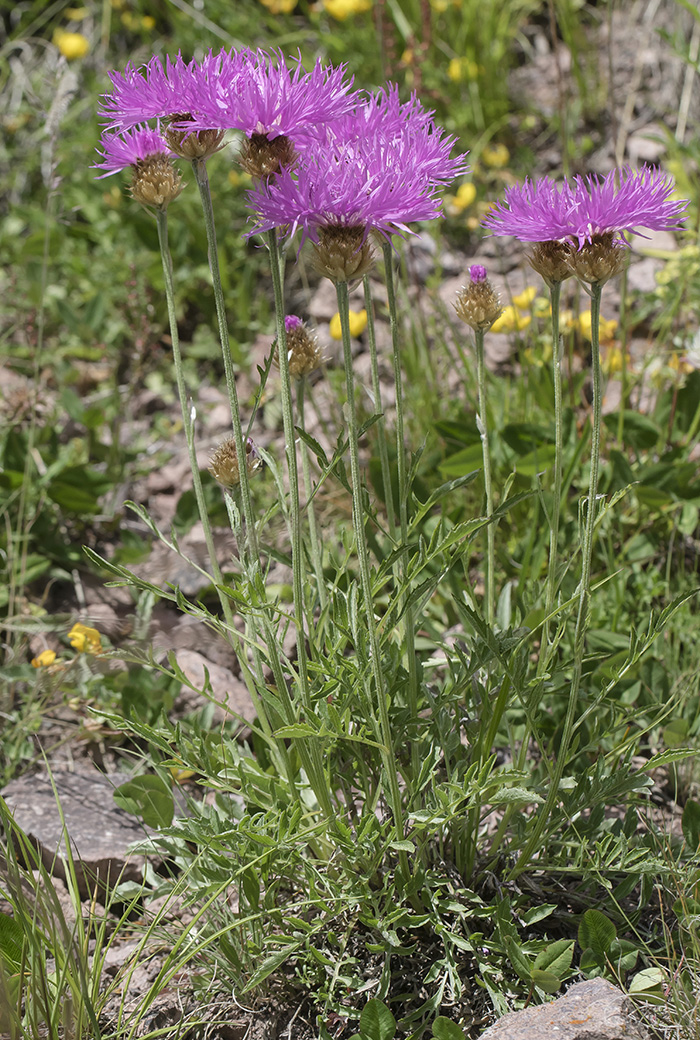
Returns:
(553,569)
(582,616)
(200,172)
(311,754)
(388,755)
(481,422)
(314,535)
(381,424)
(187,409)
(409,616)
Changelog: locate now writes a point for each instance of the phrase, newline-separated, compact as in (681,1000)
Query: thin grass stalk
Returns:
(481,422)
(624,374)
(314,534)
(584,596)
(199,167)
(314,766)
(381,423)
(187,413)
(388,755)
(409,616)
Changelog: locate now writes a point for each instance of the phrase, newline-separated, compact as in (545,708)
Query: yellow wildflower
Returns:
(342,9)
(85,639)
(148,22)
(523,301)
(466,193)
(512,320)
(358,324)
(44,659)
(541,307)
(495,155)
(407,57)
(76,14)
(440,5)
(611,360)
(462,68)
(680,364)
(607,328)
(71,45)
(279,6)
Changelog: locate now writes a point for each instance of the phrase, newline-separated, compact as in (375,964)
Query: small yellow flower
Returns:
(407,57)
(496,156)
(462,68)
(606,332)
(85,639)
(358,324)
(611,360)
(279,6)
(44,659)
(76,14)
(680,364)
(148,22)
(567,321)
(512,320)
(342,9)
(71,45)
(440,5)
(466,193)
(541,307)
(523,301)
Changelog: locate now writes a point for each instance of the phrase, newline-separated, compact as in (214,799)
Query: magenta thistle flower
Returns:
(121,150)
(159,92)
(376,169)
(624,201)
(259,94)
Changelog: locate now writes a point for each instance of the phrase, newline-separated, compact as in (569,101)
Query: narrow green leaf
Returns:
(690,823)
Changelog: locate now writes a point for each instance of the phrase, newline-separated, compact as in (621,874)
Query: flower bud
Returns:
(551,260)
(342,253)
(303,351)
(478,304)
(191,144)
(155,181)
(599,259)
(224,466)
(262,158)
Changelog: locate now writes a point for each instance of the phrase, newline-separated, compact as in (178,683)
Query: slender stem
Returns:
(187,409)
(316,543)
(624,388)
(584,597)
(381,424)
(409,616)
(365,578)
(553,570)
(311,757)
(200,172)
(486,454)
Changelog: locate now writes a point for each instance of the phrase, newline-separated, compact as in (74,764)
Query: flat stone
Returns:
(100,832)
(592,1010)
(228,693)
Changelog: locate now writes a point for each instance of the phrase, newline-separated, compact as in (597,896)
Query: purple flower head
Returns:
(158,92)
(477,273)
(264,97)
(120,150)
(378,168)
(541,211)
(405,127)
(292,322)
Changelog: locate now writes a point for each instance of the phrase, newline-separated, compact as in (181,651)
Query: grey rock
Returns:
(99,832)
(592,1010)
